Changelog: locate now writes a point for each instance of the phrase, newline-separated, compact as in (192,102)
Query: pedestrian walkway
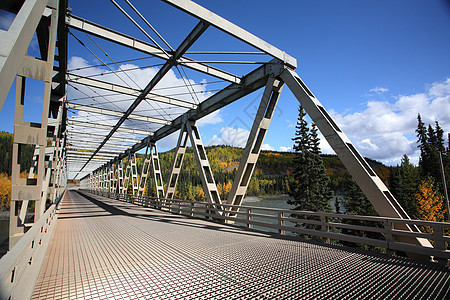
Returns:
(107,249)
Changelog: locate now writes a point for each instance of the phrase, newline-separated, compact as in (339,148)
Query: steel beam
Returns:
(156,168)
(204,169)
(255,141)
(151,159)
(180,151)
(76,143)
(144,47)
(109,112)
(144,172)
(126,178)
(89,153)
(101,137)
(107,86)
(134,175)
(107,127)
(15,41)
(120,185)
(91,150)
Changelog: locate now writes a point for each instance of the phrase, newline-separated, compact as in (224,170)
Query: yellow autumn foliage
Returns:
(5,190)
(429,204)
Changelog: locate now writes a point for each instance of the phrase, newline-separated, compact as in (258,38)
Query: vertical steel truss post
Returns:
(156,168)
(177,163)
(103,176)
(60,177)
(17,62)
(112,178)
(255,141)
(126,178)
(103,179)
(94,182)
(52,171)
(373,187)
(144,172)
(134,175)
(152,159)
(120,186)
(106,178)
(98,181)
(206,175)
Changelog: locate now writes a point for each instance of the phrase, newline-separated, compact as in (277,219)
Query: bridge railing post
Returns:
(388,235)
(439,242)
(281,222)
(249,218)
(324,226)
(191,212)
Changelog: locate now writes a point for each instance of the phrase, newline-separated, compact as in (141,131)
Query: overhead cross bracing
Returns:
(111,93)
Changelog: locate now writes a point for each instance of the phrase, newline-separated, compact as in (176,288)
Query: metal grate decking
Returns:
(105,249)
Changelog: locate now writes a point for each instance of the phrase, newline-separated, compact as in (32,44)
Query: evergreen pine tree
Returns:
(439,138)
(356,203)
(422,140)
(431,142)
(404,184)
(324,193)
(311,184)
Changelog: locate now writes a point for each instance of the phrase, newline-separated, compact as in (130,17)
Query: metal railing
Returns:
(380,232)
(19,267)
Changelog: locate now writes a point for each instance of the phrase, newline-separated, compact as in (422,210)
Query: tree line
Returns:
(26,156)
(419,189)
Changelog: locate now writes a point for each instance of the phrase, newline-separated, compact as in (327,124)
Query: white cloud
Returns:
(290,124)
(267,147)
(212,118)
(325,148)
(229,136)
(379,90)
(385,131)
(286,149)
(440,89)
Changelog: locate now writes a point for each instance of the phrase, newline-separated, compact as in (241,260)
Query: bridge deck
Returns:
(103,249)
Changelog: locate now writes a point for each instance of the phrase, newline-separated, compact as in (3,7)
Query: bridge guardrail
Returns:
(328,226)
(19,267)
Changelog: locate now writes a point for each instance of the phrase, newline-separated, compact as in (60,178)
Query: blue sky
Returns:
(374,65)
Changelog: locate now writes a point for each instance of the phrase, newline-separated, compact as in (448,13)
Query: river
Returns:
(278,201)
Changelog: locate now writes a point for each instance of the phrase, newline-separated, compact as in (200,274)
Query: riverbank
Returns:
(4,215)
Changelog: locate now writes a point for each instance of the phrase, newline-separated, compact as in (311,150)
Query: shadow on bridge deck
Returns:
(104,249)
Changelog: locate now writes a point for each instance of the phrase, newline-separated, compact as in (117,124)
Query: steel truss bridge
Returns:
(95,119)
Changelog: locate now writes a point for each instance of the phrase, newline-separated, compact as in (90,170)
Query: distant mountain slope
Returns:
(273,170)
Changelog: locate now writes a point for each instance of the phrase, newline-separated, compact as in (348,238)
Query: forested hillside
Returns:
(273,173)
